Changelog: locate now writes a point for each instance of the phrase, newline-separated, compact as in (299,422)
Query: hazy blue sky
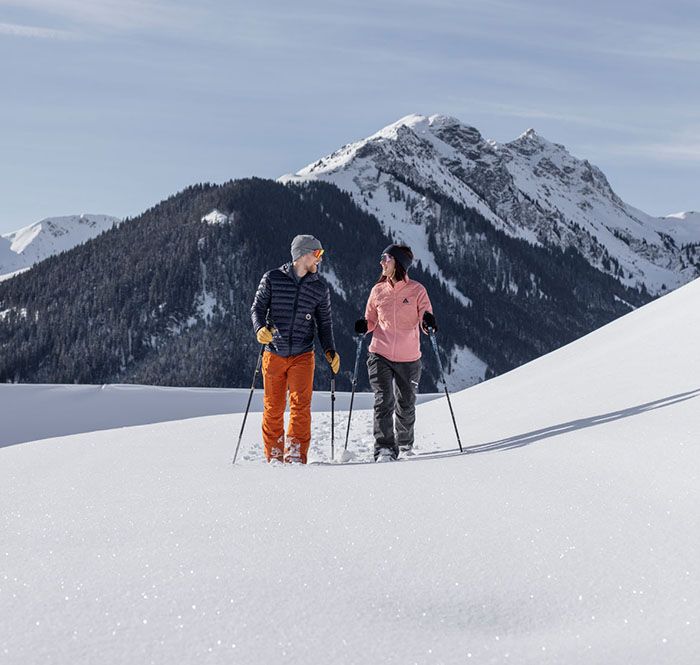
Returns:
(108,106)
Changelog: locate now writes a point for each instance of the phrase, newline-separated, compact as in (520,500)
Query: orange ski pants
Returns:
(296,375)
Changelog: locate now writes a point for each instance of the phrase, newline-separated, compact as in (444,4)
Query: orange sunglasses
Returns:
(318,253)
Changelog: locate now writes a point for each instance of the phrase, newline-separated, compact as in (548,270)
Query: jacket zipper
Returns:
(294,315)
(393,346)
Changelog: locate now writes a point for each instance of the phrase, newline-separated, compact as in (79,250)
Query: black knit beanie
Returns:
(400,255)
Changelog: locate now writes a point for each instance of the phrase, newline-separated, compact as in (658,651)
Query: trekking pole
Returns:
(250,397)
(332,415)
(442,376)
(354,384)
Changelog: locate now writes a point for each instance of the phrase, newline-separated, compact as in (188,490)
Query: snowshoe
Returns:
(385,455)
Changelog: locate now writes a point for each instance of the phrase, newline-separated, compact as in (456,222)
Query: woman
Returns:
(396,308)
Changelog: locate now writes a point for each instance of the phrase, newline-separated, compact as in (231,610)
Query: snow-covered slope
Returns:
(530,188)
(74,409)
(21,249)
(215,217)
(684,227)
(578,195)
(570,534)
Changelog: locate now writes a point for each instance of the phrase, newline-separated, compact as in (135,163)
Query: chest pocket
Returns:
(385,309)
(406,313)
(309,297)
(393,312)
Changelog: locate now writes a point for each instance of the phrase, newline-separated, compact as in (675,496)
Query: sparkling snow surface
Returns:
(571,534)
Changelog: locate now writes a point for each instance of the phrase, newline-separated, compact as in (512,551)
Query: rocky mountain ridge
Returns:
(22,249)
(529,188)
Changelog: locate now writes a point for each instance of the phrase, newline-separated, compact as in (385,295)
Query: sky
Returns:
(113,105)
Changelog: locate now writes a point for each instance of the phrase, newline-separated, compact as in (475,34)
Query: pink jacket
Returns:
(393,316)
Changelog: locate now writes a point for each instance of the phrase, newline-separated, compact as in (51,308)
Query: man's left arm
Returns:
(324,321)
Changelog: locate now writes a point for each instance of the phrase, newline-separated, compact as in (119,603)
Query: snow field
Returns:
(569,534)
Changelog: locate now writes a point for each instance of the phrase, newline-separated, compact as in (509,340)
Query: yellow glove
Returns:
(264,335)
(333,360)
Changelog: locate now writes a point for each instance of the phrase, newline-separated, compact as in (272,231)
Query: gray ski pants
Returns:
(395,386)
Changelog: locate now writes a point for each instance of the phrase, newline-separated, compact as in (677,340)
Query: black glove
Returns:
(361,327)
(428,323)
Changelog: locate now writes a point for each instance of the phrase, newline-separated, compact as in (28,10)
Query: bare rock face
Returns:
(530,188)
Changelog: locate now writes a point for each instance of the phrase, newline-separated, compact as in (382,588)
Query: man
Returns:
(291,303)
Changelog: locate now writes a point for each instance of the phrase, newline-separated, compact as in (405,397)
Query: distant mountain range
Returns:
(21,249)
(522,247)
(530,188)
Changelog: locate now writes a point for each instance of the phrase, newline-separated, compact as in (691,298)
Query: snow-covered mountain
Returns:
(170,291)
(21,249)
(569,534)
(530,188)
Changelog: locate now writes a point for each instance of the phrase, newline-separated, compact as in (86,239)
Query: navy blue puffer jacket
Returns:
(296,309)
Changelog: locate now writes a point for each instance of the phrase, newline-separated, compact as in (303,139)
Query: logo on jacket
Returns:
(308,317)
(405,301)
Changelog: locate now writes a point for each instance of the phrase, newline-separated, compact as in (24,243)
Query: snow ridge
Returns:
(21,249)
(530,188)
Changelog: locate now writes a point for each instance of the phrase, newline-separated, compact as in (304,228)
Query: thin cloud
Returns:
(680,148)
(678,43)
(109,14)
(34,32)
(562,115)
(663,152)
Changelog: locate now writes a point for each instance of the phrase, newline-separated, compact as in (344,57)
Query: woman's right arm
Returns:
(371,312)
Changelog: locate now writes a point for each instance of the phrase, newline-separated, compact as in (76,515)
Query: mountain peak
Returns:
(531,140)
(533,145)
(530,188)
(23,248)
(689,214)
(445,121)
(421,124)
(412,121)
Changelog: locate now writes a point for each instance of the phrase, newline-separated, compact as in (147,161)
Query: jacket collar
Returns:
(399,286)
(287,269)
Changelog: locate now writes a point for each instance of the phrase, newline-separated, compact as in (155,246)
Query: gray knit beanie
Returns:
(303,245)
